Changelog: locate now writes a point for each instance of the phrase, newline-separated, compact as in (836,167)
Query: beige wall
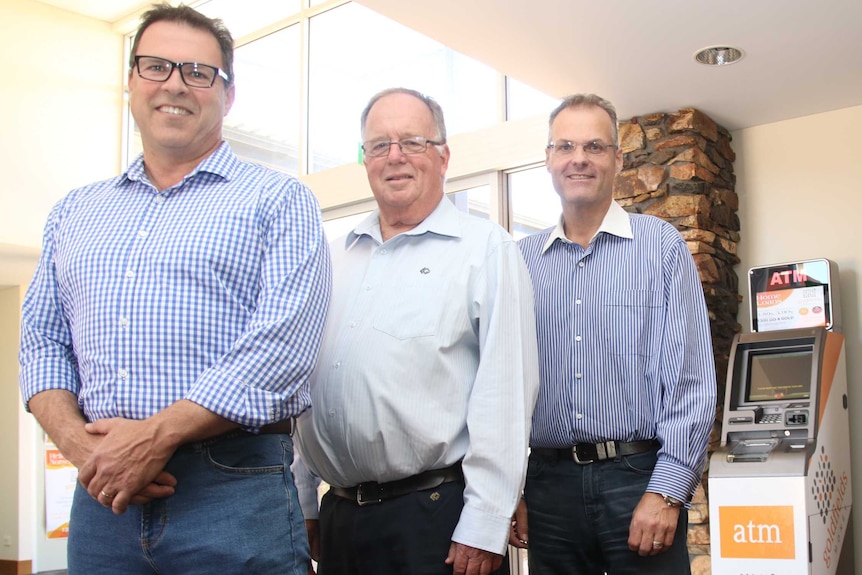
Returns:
(800,190)
(60,111)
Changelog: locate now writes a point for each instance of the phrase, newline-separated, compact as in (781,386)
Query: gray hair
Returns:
(433,106)
(583,100)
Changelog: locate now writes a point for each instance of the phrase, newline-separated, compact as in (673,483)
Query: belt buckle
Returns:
(360,494)
(577,459)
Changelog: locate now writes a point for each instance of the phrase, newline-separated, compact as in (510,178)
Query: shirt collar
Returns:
(222,162)
(444,221)
(615,222)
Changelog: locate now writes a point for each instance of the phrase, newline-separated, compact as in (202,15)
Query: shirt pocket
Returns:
(632,321)
(413,310)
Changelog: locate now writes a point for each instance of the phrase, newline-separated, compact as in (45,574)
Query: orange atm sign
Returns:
(761,532)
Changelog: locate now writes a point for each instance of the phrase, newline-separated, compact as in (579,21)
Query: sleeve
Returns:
(263,378)
(501,403)
(688,381)
(306,485)
(47,359)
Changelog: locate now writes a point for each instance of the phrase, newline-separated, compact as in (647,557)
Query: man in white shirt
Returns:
(428,374)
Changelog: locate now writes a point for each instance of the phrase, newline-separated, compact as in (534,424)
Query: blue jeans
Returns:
(579,515)
(235,511)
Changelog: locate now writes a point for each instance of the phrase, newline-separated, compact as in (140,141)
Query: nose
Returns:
(175,81)
(397,154)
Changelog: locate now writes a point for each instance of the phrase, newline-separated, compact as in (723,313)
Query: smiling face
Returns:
(407,187)
(176,121)
(582,180)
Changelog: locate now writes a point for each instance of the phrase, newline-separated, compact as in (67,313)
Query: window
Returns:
(354,53)
(535,205)
(264,124)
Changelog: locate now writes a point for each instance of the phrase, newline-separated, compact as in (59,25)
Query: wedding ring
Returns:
(655,544)
(109,496)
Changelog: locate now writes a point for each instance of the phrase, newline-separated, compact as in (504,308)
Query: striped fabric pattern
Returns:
(624,345)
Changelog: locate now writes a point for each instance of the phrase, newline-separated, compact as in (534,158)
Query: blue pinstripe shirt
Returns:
(214,290)
(624,344)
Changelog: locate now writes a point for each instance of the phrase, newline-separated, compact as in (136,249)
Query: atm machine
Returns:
(779,484)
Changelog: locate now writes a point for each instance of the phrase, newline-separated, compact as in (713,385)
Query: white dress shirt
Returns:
(429,358)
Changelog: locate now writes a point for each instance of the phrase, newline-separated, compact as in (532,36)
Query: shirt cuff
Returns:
(675,480)
(482,530)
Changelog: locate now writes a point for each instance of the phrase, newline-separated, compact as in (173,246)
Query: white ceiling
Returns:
(802,57)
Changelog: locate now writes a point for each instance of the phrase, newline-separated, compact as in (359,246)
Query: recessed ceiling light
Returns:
(719,55)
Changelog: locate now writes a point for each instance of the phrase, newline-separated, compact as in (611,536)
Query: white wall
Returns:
(800,189)
(60,111)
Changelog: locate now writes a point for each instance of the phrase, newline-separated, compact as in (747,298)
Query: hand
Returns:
(653,521)
(467,560)
(128,464)
(518,534)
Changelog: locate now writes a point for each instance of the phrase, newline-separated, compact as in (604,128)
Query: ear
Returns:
(444,156)
(548,159)
(618,159)
(229,96)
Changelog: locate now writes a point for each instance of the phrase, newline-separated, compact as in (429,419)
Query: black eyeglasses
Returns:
(566,148)
(411,145)
(193,74)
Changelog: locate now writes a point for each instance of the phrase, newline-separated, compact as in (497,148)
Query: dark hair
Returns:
(187,15)
(580,100)
(433,106)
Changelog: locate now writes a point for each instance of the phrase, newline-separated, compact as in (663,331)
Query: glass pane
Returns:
(354,53)
(263,125)
(523,101)
(534,203)
(245,17)
(475,201)
(338,227)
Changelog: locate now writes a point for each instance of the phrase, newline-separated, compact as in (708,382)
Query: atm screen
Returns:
(779,375)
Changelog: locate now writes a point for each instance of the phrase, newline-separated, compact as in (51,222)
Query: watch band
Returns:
(671,501)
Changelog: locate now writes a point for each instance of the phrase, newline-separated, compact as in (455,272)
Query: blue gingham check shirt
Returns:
(214,290)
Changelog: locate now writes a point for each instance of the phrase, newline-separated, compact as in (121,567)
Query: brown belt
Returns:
(584,453)
(371,492)
(284,426)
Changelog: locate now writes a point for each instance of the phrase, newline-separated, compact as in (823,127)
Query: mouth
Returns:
(399,177)
(579,177)
(173,110)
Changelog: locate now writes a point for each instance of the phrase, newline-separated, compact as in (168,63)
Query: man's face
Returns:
(582,179)
(404,182)
(174,119)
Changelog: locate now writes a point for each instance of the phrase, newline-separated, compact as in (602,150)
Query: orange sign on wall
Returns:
(761,532)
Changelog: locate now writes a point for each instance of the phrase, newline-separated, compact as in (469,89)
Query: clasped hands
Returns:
(126,463)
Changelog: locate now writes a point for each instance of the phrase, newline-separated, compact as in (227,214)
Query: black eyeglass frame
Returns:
(219,73)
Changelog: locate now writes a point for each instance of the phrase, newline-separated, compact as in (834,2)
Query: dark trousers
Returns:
(579,515)
(408,535)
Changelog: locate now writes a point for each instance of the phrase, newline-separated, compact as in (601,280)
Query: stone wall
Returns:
(679,167)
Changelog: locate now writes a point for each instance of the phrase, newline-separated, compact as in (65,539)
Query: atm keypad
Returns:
(771,418)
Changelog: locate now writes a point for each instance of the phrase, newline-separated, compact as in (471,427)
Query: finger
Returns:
(121,502)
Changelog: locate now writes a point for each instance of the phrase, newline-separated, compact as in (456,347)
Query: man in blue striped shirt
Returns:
(171,327)
(627,395)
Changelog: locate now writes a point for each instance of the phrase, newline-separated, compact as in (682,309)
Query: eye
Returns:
(412,145)
(565,147)
(594,147)
(377,146)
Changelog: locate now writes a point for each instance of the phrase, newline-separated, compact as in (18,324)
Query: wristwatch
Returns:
(672,501)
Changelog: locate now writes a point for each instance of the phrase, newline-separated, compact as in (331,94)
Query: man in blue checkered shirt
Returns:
(170,329)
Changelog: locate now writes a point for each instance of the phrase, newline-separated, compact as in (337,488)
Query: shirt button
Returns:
(123,374)
(124,322)
(142,234)
(577,338)
(578,376)
(577,302)
(130,274)
(336,365)
(581,264)
(367,288)
(383,252)
(160,199)
(579,416)
(352,324)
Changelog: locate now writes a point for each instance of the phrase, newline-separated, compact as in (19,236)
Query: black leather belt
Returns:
(372,492)
(584,453)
